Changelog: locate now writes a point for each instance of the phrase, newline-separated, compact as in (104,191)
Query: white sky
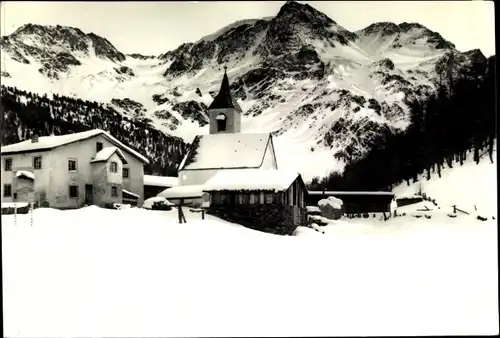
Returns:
(156,27)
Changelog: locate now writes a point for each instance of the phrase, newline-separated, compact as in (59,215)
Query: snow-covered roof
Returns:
(161,181)
(50,142)
(226,151)
(409,195)
(332,201)
(380,193)
(251,179)
(14,204)
(25,173)
(148,204)
(311,208)
(184,191)
(130,193)
(105,153)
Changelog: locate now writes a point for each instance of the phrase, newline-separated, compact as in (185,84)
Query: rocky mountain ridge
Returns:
(317,86)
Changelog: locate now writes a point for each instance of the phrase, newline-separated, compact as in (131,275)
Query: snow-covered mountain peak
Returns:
(297,12)
(384,28)
(55,49)
(297,25)
(320,88)
(234,25)
(409,39)
(63,38)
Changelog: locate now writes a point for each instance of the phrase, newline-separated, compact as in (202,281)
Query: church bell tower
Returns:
(224,112)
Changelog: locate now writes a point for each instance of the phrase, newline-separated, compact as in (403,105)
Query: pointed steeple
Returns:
(224,99)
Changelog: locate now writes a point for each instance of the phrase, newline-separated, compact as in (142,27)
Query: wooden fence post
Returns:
(182,219)
(15,209)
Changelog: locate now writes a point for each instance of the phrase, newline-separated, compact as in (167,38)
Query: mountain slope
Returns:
(26,114)
(328,94)
(455,187)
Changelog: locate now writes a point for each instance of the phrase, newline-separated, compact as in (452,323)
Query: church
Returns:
(225,148)
(237,173)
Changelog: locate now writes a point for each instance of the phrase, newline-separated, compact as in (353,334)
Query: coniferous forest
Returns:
(25,114)
(457,123)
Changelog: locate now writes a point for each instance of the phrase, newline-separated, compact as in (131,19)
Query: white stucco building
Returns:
(70,171)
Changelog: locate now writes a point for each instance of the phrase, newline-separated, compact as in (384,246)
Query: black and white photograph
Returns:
(248,168)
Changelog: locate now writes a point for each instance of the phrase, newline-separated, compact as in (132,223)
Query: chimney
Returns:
(34,138)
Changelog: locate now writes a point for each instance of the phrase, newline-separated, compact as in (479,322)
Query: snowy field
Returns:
(127,273)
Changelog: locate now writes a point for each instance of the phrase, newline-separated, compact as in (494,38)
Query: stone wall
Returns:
(272,218)
(330,212)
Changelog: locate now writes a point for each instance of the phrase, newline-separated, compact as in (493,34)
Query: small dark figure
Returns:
(182,219)
(385,217)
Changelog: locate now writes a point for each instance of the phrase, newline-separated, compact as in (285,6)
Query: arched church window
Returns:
(221,122)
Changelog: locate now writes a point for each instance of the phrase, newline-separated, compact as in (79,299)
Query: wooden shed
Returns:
(153,185)
(267,200)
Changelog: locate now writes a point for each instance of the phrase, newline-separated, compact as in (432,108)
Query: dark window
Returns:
(125,172)
(114,167)
(221,122)
(7,190)
(37,162)
(98,146)
(73,191)
(72,165)
(8,164)
(114,192)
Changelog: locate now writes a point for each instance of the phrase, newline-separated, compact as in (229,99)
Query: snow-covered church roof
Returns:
(50,142)
(251,179)
(161,181)
(226,151)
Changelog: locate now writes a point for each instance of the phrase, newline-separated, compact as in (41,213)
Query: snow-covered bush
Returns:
(157,203)
(120,206)
(331,207)
(44,204)
(117,206)
(161,205)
